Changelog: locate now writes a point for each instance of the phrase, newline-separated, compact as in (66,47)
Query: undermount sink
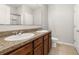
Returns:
(24,36)
(42,31)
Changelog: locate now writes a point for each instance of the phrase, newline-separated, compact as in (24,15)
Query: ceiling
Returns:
(32,6)
(14,5)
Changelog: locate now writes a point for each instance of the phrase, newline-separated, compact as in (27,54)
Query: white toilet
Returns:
(54,41)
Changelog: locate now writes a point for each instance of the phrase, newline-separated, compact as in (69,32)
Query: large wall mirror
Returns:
(23,14)
(9,14)
(16,14)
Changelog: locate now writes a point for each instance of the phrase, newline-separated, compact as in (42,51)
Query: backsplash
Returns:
(8,33)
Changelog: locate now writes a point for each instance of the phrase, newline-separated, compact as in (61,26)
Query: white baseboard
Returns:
(70,44)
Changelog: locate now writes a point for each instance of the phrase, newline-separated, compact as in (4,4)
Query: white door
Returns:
(76,27)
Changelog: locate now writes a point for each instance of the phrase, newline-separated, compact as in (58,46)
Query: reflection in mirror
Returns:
(19,14)
(9,15)
(4,14)
(15,19)
(24,14)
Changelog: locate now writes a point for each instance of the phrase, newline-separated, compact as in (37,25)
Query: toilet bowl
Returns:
(54,41)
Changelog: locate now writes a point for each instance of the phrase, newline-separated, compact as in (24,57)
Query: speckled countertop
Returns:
(6,46)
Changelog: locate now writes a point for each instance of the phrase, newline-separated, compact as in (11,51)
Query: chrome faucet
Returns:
(21,32)
(15,32)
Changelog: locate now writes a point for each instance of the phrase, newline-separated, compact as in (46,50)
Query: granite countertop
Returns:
(6,46)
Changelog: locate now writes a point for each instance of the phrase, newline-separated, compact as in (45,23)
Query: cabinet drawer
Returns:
(25,50)
(38,41)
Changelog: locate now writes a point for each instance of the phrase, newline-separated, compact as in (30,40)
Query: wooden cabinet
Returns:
(24,50)
(50,41)
(38,42)
(38,50)
(46,44)
(39,46)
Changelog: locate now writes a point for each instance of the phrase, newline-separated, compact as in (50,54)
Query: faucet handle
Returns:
(15,32)
(20,32)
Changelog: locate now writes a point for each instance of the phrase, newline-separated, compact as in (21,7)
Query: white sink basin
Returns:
(24,36)
(42,31)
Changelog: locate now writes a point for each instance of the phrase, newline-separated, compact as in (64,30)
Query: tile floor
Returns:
(63,50)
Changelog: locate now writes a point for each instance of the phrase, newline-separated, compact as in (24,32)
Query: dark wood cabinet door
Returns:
(25,50)
(38,42)
(39,50)
(46,47)
(46,44)
(50,42)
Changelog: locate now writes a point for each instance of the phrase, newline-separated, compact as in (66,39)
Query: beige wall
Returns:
(61,17)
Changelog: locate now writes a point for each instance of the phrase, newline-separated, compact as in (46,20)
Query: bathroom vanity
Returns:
(39,44)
